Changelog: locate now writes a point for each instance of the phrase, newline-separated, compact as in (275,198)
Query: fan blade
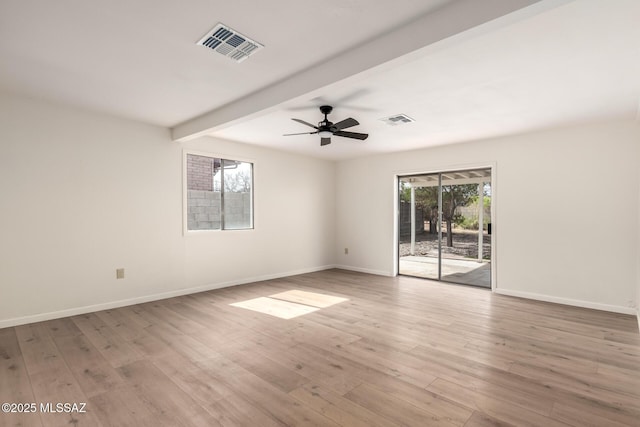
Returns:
(305,123)
(354,135)
(325,141)
(303,133)
(346,123)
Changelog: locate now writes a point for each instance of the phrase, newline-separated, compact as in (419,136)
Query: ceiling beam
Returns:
(453,22)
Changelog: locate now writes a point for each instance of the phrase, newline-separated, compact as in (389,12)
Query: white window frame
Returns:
(185,225)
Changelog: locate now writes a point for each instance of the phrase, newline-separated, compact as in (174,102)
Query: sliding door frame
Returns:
(398,175)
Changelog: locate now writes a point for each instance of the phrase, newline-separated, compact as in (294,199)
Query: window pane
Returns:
(203,193)
(238,182)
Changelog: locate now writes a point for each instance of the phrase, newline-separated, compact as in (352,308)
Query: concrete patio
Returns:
(469,272)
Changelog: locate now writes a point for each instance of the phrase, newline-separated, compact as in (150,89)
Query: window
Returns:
(219,193)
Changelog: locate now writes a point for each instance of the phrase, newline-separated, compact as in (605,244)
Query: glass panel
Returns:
(203,195)
(458,247)
(238,183)
(418,205)
(466,212)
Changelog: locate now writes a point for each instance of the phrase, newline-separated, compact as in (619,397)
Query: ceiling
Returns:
(463,69)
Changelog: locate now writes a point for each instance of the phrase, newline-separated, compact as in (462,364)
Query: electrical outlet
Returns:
(346,251)
(120,273)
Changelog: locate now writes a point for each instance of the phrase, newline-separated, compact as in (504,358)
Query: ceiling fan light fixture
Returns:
(325,134)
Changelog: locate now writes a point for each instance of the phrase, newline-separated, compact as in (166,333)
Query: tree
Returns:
(452,197)
(426,200)
(237,181)
(427,197)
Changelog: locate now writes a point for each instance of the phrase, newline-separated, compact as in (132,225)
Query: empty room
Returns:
(340,213)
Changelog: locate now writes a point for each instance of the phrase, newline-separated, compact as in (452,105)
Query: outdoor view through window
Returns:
(445,226)
(219,193)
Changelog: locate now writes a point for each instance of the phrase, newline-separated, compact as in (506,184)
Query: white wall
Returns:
(82,194)
(566,211)
(638,261)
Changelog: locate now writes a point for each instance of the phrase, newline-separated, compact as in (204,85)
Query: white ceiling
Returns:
(559,62)
(138,59)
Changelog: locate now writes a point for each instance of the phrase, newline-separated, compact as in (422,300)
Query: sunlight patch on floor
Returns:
(290,304)
(309,298)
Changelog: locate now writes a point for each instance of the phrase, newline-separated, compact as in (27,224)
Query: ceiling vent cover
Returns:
(230,43)
(397,119)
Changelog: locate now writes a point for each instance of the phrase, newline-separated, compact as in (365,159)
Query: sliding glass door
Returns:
(444,225)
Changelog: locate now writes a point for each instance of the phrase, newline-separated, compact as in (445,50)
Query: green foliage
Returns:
(466,223)
(456,195)
(487,201)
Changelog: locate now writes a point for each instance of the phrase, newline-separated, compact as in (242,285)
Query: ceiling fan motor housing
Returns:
(326,129)
(325,125)
(326,109)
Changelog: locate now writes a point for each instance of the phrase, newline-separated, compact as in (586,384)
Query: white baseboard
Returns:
(567,301)
(364,270)
(5,323)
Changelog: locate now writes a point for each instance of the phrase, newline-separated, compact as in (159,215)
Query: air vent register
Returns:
(229,43)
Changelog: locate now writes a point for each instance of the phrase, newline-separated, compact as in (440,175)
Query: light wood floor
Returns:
(400,351)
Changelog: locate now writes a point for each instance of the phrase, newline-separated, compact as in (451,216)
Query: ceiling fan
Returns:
(326,129)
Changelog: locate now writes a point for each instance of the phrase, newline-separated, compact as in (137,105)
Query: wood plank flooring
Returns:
(399,352)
